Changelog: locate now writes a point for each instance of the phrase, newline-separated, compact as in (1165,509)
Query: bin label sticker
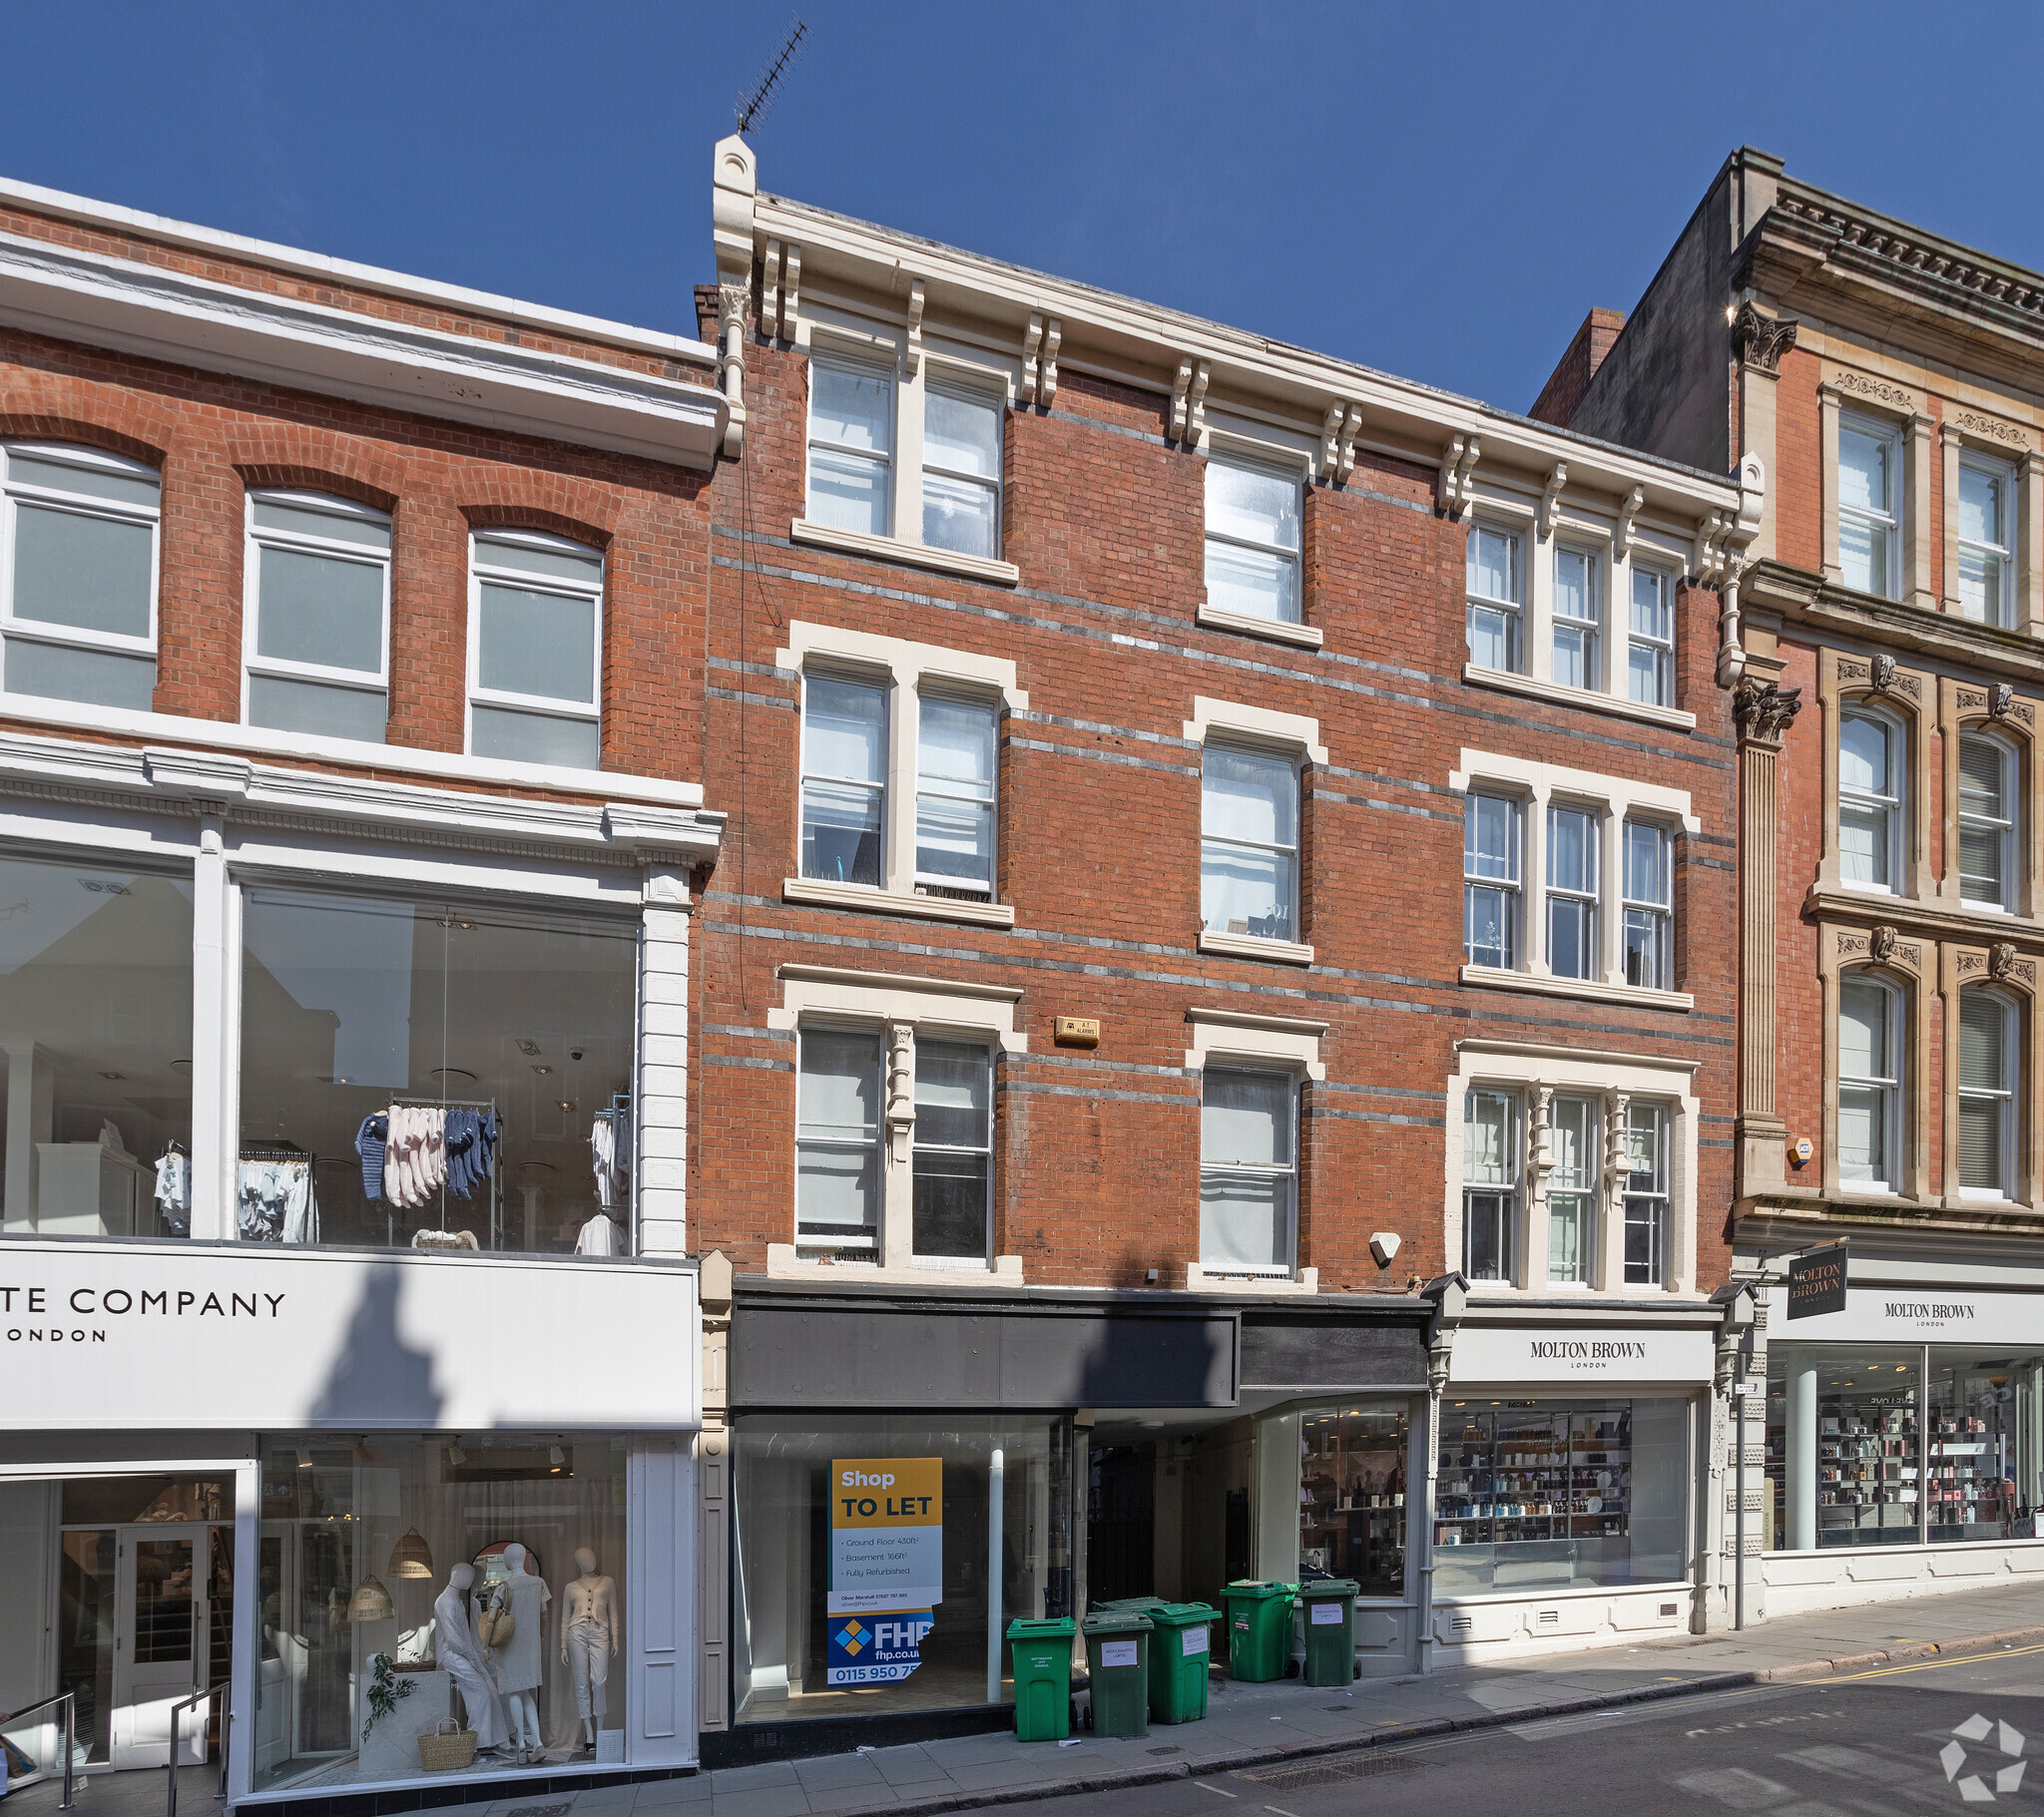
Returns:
(876,1648)
(887,1534)
(1326,1615)
(1117,1653)
(1193,1640)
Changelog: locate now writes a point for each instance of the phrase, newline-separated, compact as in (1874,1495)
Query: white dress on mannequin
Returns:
(465,1660)
(521,1666)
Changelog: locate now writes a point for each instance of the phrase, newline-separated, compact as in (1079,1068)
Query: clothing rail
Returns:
(257,1152)
(418,1101)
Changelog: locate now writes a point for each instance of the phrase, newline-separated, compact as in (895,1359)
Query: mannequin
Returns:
(588,1638)
(466,1659)
(519,1667)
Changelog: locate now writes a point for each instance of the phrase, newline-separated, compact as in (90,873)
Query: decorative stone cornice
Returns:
(121,303)
(1804,597)
(1765,710)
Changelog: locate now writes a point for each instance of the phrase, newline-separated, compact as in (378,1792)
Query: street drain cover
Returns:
(1337,1771)
(1166,1750)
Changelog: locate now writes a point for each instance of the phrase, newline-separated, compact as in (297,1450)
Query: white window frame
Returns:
(1588,1190)
(480,570)
(969,390)
(1894,807)
(1511,1190)
(1590,897)
(985,1151)
(1591,629)
(1511,887)
(1612,1082)
(1512,610)
(258,538)
(1291,853)
(1288,1269)
(12,491)
(1268,468)
(884,460)
(1662,649)
(900,1012)
(1661,913)
(1262,732)
(913,364)
(1654,1200)
(877,1145)
(2000,600)
(2006,1096)
(879,789)
(1886,525)
(1615,801)
(1887,1089)
(2003,830)
(904,671)
(933,882)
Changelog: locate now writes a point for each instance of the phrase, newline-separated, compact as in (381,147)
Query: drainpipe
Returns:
(1735,553)
(1449,1295)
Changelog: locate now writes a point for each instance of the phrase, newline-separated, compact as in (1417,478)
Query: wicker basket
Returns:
(447,1751)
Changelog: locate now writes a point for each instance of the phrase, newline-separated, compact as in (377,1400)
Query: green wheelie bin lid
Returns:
(1180,1653)
(1316,1588)
(1043,1678)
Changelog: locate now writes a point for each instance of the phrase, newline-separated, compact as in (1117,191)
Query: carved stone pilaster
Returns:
(1765,711)
(901,1090)
(1761,340)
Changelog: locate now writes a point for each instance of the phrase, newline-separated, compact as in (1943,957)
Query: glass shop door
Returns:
(160,1642)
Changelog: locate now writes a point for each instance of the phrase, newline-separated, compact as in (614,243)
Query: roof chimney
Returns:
(1562,395)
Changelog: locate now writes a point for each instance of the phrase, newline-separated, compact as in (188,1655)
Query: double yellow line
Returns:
(1922,1666)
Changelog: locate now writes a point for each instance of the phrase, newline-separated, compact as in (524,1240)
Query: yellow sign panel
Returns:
(887,1492)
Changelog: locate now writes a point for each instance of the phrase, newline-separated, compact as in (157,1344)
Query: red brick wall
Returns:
(215,438)
(1098,1153)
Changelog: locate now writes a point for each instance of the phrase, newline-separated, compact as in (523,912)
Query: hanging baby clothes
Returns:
(397,1154)
(301,1203)
(174,1192)
(261,1199)
(471,1144)
(609,1153)
(433,1150)
(597,1238)
(371,1141)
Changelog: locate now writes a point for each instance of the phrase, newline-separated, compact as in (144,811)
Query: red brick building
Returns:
(350,634)
(1229,851)
(1884,650)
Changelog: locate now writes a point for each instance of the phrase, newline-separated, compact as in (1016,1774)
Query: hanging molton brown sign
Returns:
(886,1566)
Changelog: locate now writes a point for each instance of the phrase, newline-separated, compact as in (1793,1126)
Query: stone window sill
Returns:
(915,555)
(1198,1280)
(1586,989)
(785,1261)
(1255,946)
(1507,682)
(824,894)
(1279,631)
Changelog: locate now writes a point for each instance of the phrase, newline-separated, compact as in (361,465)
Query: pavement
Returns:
(1253,1725)
(1250,1726)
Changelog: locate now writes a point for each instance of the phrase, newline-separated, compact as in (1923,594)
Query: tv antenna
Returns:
(755,102)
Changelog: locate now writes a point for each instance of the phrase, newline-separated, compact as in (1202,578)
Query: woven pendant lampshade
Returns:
(411,1557)
(371,1603)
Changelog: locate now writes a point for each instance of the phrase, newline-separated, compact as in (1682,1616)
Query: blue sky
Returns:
(1438,191)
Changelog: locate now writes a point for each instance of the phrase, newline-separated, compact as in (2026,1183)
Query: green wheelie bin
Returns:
(1330,1605)
(1179,1655)
(1258,1629)
(1118,1657)
(1043,1678)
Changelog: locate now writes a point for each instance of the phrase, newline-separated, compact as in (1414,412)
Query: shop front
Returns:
(284,1496)
(1567,1479)
(1904,1441)
(1034,1455)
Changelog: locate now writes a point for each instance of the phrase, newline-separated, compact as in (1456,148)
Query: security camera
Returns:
(574,1053)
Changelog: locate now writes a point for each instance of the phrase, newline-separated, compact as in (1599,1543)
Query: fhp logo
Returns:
(1973,1788)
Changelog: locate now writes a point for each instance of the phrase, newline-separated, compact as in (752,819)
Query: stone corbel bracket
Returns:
(1337,440)
(1040,359)
(1188,400)
(1551,498)
(1458,465)
(1626,514)
(915,307)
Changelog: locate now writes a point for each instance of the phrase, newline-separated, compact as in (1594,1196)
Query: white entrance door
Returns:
(159,1644)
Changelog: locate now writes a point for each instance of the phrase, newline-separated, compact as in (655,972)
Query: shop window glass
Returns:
(117,1590)
(1984,1431)
(96,1035)
(1552,1495)
(490,1051)
(1351,1501)
(1844,1445)
(364,1544)
(806,1644)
